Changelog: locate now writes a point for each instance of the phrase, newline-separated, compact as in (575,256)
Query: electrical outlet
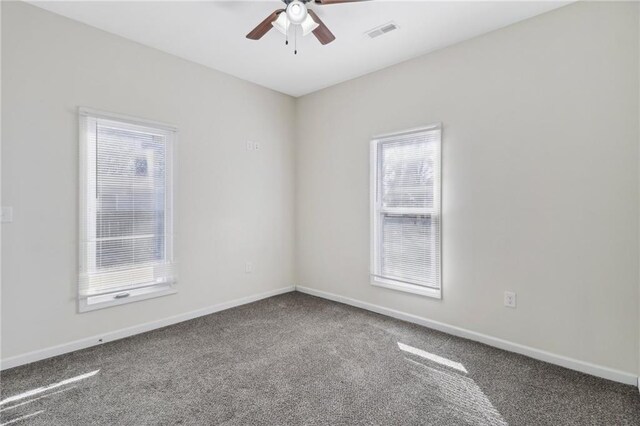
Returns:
(509,299)
(250,146)
(248,267)
(7,214)
(256,146)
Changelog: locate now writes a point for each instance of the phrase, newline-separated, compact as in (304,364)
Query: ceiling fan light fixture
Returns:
(296,12)
(281,23)
(308,25)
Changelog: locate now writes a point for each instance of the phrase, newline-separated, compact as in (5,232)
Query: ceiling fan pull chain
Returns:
(295,40)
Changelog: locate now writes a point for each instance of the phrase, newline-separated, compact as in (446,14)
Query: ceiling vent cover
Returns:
(383,29)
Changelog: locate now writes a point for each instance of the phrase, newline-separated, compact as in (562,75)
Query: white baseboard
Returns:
(130,331)
(563,361)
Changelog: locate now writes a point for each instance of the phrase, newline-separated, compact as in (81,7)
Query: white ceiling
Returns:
(213,34)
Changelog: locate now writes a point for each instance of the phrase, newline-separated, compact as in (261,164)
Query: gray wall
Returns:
(540,181)
(232,204)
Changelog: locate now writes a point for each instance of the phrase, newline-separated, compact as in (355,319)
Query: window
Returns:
(405,211)
(126,232)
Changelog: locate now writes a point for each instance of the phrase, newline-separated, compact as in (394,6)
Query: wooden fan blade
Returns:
(336,1)
(322,33)
(264,26)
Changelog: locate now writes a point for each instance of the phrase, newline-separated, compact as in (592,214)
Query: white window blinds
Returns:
(406,211)
(126,237)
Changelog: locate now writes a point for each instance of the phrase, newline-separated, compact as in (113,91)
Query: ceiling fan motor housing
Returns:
(296,12)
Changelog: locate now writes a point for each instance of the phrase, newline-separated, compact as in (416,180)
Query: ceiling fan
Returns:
(297,13)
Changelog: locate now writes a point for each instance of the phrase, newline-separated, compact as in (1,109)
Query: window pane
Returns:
(130,197)
(407,173)
(408,249)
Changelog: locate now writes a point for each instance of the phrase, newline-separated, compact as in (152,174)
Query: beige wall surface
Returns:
(232,205)
(540,181)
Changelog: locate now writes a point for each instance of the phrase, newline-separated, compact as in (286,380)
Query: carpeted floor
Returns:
(296,359)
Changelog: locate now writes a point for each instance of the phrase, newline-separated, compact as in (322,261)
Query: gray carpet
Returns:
(297,359)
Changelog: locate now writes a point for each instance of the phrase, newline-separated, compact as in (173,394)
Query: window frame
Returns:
(86,257)
(376,210)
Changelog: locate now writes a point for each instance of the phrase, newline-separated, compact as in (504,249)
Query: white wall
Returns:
(540,181)
(232,205)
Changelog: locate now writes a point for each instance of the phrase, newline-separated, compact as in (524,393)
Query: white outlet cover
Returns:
(250,146)
(7,214)
(510,299)
(248,267)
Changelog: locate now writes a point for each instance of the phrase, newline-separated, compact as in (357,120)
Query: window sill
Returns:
(435,293)
(92,303)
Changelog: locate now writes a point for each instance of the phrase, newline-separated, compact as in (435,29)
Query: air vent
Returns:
(383,29)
